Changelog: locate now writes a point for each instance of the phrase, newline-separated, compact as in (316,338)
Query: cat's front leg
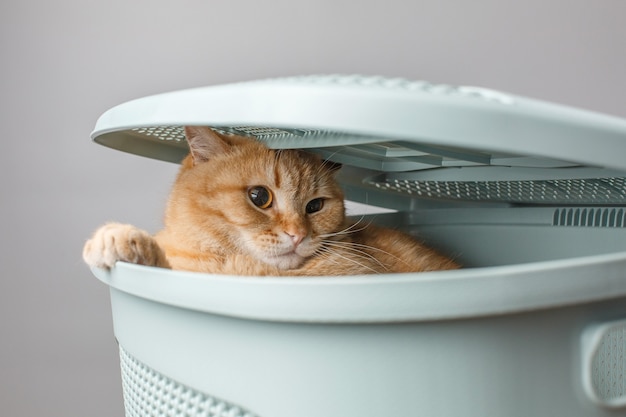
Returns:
(122,242)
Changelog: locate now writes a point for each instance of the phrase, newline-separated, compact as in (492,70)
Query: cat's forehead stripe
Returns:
(276,166)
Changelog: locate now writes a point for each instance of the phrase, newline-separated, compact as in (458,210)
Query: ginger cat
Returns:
(240,208)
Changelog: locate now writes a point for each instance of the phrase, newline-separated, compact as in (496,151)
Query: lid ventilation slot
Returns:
(590,217)
(569,191)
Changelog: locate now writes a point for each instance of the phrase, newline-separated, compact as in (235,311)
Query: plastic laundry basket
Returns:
(530,196)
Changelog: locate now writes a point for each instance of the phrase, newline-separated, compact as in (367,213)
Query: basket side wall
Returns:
(514,365)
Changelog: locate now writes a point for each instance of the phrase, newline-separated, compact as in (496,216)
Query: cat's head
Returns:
(275,205)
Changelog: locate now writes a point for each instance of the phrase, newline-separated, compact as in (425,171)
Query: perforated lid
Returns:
(400,136)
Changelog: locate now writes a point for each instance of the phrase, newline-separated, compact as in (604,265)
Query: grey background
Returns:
(65,62)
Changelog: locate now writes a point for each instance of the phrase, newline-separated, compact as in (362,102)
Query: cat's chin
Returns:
(289,260)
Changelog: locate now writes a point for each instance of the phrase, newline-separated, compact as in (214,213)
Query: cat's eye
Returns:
(261,197)
(314,205)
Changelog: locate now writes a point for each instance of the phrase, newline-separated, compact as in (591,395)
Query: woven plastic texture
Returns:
(147,393)
(177,133)
(609,365)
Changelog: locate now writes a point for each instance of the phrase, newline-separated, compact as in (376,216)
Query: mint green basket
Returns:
(529,196)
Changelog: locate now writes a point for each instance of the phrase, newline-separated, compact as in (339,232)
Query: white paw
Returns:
(122,242)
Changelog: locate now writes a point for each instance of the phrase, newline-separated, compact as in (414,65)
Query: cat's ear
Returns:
(204,143)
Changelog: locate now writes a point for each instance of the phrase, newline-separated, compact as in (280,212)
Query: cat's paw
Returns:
(122,242)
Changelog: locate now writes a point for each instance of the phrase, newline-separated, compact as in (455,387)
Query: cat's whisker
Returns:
(373,248)
(329,253)
(327,161)
(355,250)
(326,253)
(348,230)
(354,261)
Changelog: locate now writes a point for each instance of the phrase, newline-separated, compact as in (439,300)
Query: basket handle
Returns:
(604,363)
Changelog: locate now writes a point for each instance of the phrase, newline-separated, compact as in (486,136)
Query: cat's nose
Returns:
(296,238)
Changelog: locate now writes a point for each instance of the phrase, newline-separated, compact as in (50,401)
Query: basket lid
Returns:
(411,137)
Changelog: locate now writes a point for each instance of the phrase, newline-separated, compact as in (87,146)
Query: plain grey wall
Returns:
(65,62)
